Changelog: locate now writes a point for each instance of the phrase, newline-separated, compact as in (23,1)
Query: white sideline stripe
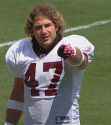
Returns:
(97,23)
(6,44)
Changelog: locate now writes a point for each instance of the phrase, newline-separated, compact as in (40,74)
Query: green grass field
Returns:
(95,99)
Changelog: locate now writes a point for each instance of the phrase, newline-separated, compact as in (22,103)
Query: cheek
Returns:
(54,34)
(36,34)
(53,31)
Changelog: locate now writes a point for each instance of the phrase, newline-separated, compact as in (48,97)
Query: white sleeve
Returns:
(88,49)
(11,62)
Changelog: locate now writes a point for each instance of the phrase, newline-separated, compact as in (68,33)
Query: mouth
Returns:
(45,38)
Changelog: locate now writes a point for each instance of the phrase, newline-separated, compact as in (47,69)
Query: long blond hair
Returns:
(48,11)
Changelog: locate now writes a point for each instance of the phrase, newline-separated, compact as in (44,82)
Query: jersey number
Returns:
(32,83)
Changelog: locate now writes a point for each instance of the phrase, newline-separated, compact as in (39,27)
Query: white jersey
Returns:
(52,85)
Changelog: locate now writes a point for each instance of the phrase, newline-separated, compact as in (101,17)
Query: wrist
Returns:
(17,105)
(8,123)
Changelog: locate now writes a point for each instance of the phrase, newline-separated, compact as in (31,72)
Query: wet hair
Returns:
(49,12)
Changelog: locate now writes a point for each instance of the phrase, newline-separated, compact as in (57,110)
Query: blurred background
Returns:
(95,98)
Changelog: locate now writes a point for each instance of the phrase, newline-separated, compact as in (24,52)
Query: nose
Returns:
(43,29)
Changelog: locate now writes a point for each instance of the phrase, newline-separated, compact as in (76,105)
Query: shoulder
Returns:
(16,48)
(15,54)
(78,41)
(19,44)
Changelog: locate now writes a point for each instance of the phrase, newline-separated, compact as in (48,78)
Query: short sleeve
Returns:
(88,48)
(11,62)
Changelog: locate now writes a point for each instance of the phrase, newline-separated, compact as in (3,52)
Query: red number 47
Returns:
(32,83)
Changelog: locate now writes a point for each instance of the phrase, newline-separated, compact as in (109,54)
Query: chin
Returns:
(47,45)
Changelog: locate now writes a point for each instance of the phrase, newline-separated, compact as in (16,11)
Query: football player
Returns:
(48,71)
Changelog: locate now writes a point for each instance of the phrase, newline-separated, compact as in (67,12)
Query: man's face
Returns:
(44,32)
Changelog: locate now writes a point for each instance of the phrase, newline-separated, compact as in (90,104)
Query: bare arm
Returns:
(17,95)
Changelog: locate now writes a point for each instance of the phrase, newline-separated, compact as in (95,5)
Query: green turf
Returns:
(95,95)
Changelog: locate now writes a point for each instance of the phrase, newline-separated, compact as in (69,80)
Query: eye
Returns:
(37,27)
(47,25)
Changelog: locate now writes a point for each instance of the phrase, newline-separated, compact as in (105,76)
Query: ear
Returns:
(32,33)
(56,28)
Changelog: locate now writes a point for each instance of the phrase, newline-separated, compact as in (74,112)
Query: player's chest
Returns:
(50,68)
(44,70)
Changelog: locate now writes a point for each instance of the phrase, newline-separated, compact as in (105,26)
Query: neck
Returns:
(40,50)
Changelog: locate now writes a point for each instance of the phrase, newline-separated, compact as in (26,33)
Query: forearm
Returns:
(12,116)
(15,104)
